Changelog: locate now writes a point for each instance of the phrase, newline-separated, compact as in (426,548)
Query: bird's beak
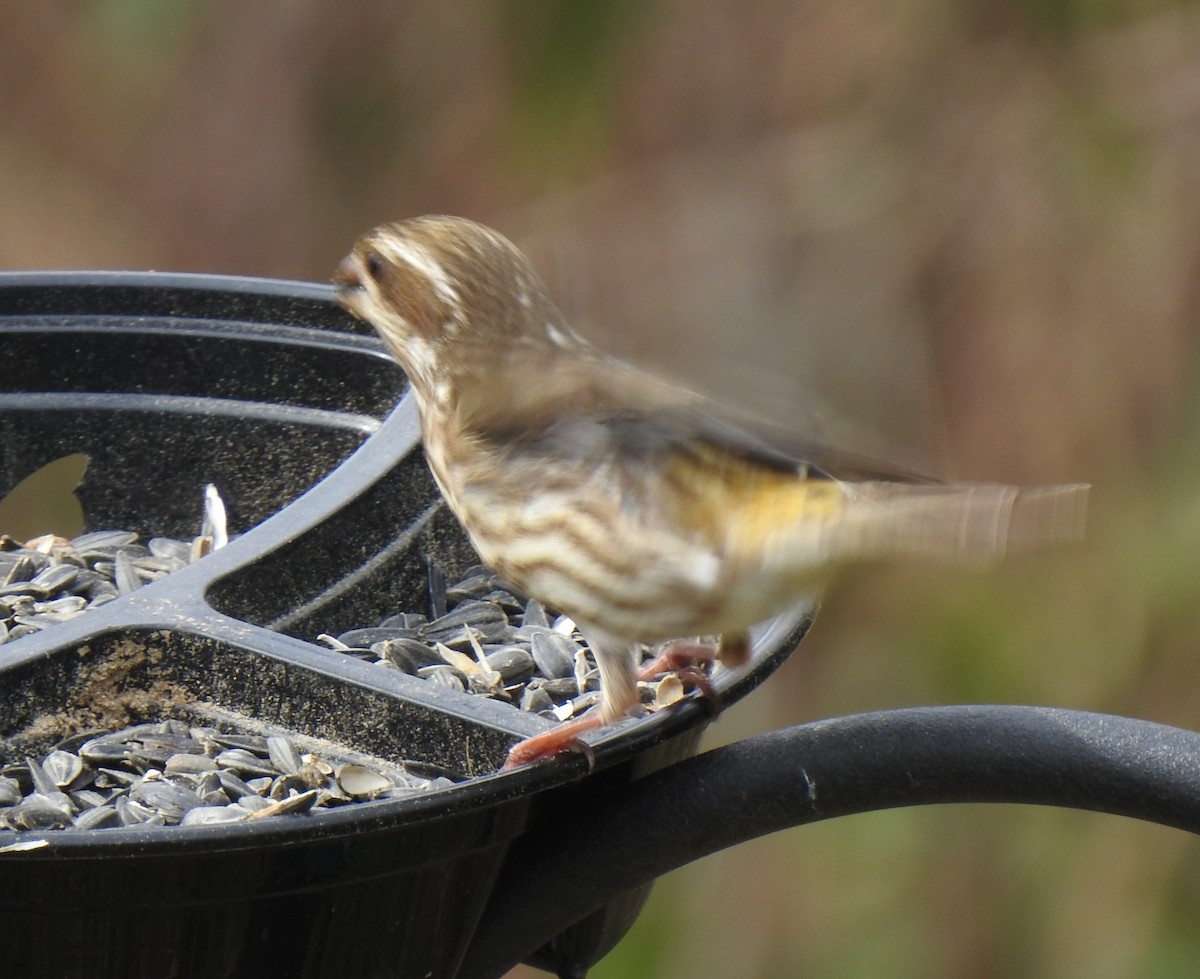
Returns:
(348,285)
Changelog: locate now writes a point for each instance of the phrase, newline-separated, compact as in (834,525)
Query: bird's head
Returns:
(451,298)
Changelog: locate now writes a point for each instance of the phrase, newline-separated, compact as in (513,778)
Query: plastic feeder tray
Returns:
(296,413)
(269,391)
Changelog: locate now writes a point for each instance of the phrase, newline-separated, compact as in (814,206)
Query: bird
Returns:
(649,514)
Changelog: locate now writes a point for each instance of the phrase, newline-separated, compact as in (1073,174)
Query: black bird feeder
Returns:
(268,390)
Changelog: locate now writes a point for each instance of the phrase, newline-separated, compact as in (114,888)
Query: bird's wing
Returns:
(769,444)
(775,506)
(578,408)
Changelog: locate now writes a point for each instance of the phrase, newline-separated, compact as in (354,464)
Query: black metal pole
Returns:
(560,872)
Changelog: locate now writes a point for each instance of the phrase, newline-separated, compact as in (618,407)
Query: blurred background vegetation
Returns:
(966,233)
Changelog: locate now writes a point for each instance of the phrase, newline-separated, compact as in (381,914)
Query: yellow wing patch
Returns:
(778,505)
(740,506)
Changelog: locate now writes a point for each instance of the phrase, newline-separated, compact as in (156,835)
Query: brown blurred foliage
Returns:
(967,234)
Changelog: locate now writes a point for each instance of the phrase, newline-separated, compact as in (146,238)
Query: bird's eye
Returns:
(374,265)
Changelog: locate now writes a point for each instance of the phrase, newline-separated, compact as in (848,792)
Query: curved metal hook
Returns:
(567,865)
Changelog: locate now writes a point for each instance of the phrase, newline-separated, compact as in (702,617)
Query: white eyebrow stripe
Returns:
(419,258)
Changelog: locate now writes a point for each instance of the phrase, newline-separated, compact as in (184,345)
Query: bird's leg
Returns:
(689,660)
(559,739)
(618,692)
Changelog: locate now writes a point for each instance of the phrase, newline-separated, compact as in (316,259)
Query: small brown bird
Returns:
(634,506)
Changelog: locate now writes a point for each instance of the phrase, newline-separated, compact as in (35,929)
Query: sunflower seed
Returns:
(102,541)
(360,781)
(51,580)
(535,700)
(585,701)
(104,752)
(513,663)
(286,786)
(554,654)
(483,617)
(66,605)
(669,690)
(10,791)
(248,742)
(408,621)
(100,817)
(407,654)
(253,803)
(87,799)
(167,798)
(486,682)
(365,638)
(210,791)
(475,586)
(466,665)
(133,813)
(437,590)
(244,762)
(100,593)
(283,755)
(154,750)
(173,550)
(302,802)
(114,778)
(31,623)
(19,572)
(234,787)
(64,769)
(561,688)
(38,811)
(213,815)
(189,764)
(42,782)
(443,676)
(125,574)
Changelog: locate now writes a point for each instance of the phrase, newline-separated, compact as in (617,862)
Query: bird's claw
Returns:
(558,740)
(687,660)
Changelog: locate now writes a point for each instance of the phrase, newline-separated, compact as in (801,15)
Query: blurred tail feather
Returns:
(972,522)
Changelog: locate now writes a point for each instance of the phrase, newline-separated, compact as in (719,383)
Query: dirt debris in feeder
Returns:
(485,639)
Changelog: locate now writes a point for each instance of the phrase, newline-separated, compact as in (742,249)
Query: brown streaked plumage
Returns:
(632,505)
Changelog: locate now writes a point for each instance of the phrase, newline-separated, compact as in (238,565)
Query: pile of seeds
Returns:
(172,773)
(46,582)
(486,640)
